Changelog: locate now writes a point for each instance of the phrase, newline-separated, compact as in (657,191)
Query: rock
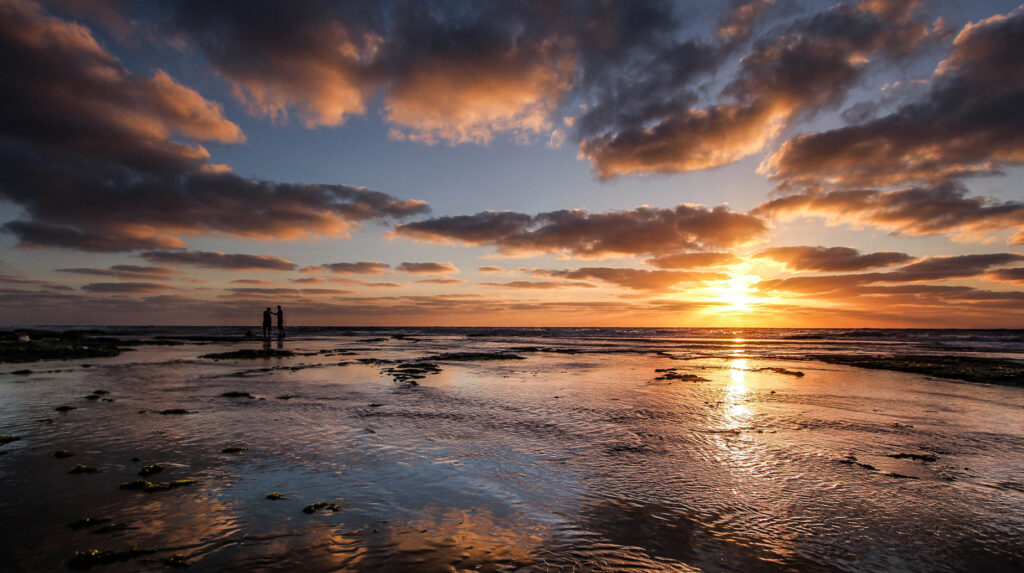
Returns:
(233,450)
(83,469)
(174,411)
(236,394)
(61,454)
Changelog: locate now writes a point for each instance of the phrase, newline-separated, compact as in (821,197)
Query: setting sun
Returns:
(737,292)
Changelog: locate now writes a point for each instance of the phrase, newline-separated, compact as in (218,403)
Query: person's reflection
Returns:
(280,343)
(266,344)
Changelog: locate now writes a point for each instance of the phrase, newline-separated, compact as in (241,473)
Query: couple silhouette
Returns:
(280,321)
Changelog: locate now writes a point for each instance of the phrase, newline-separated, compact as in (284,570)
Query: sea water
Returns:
(570,449)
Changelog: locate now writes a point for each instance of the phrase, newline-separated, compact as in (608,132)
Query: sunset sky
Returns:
(607,163)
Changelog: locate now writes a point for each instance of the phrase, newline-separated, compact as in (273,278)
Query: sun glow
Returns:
(737,292)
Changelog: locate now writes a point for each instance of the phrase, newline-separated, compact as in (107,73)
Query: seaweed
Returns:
(151,469)
(177,560)
(100,392)
(174,411)
(966,368)
(325,505)
(285,397)
(89,557)
(61,454)
(142,485)
(8,439)
(236,394)
(65,408)
(249,354)
(233,450)
(84,469)
(180,483)
(92,397)
(274,496)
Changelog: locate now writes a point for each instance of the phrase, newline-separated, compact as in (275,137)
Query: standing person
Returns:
(280,321)
(266,322)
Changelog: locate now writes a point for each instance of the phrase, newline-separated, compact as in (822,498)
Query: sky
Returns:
(753,163)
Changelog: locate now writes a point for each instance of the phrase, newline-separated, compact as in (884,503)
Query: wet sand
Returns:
(554,454)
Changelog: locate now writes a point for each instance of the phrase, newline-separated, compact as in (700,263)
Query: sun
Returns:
(737,292)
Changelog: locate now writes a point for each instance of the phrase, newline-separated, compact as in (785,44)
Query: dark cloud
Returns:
(360,268)
(214,260)
(693,260)
(77,123)
(446,267)
(125,287)
(969,122)
(930,269)
(446,73)
(943,208)
(644,230)
(1014,275)
(785,77)
(629,74)
(124,271)
(636,279)
(833,259)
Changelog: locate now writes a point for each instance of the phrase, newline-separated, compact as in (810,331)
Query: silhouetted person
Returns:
(280,321)
(266,322)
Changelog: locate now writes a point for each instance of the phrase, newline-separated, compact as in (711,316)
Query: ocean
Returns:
(519,449)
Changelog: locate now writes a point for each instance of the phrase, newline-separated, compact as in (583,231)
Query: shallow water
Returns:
(575,458)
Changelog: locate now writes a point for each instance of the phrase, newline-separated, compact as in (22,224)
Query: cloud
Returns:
(1014,275)
(360,268)
(968,123)
(444,75)
(214,260)
(644,230)
(929,269)
(446,267)
(125,287)
(834,259)
(540,285)
(259,282)
(77,123)
(636,279)
(442,281)
(943,208)
(810,65)
(489,269)
(693,260)
(124,271)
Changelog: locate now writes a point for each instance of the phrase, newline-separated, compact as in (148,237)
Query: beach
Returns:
(443,449)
